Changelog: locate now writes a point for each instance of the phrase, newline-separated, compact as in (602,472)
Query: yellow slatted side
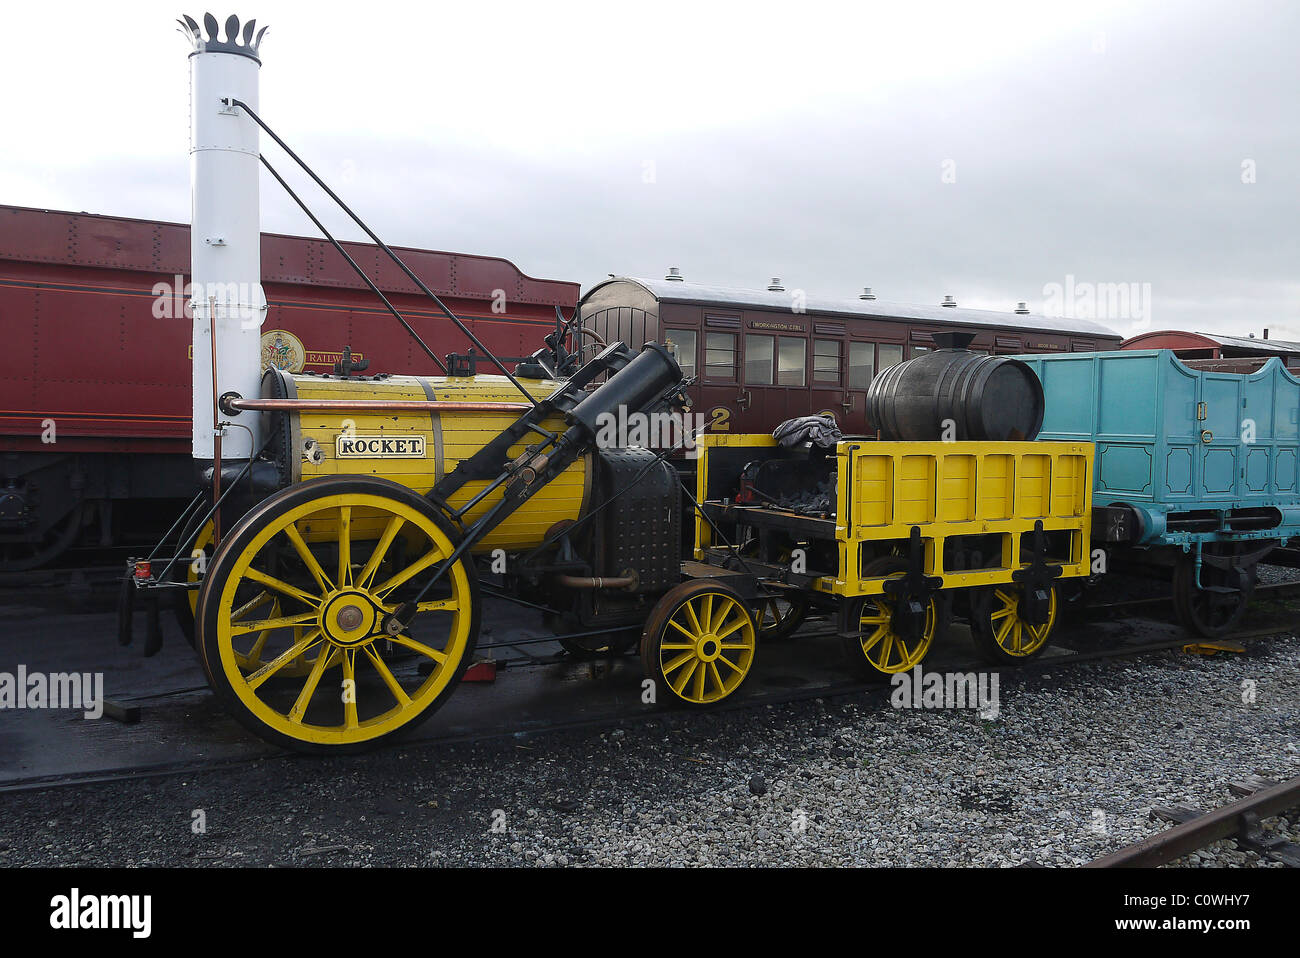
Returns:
(914,491)
(995,486)
(1033,485)
(452,436)
(873,485)
(957,487)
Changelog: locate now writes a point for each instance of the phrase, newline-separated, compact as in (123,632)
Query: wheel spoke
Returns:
(730,664)
(256,602)
(414,569)
(345,547)
(259,625)
(686,676)
(682,629)
(282,587)
(698,690)
(717,678)
(381,549)
(678,662)
(695,622)
(305,554)
(350,678)
(386,674)
(723,612)
(427,651)
(309,687)
(284,658)
(740,624)
(875,637)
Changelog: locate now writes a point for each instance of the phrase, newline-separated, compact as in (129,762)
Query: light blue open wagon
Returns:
(1197,468)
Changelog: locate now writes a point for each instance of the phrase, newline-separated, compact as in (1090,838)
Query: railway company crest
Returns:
(283,350)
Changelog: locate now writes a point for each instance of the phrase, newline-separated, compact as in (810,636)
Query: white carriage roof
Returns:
(682,291)
(1263,345)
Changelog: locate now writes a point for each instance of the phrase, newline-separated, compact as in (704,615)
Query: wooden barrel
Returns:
(955,394)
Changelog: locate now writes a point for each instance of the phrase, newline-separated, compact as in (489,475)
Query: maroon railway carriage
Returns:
(95,375)
(763,356)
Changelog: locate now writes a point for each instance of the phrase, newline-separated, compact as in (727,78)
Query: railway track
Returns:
(1240,821)
(1158,639)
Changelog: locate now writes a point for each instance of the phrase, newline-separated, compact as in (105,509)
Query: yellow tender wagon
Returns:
(890,536)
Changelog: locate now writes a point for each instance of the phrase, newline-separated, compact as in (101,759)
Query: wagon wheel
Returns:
(193,571)
(780,615)
(1001,633)
(699,642)
(870,641)
(1208,613)
(336,555)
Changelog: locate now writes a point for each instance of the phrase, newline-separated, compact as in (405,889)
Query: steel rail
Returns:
(1226,822)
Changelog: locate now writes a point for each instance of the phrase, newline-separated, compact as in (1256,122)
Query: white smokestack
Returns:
(225,229)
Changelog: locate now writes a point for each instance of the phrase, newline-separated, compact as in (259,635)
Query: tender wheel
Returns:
(699,642)
(1206,612)
(1000,629)
(872,644)
(309,576)
(779,616)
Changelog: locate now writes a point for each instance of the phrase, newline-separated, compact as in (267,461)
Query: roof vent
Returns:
(948,301)
(775,286)
(674,275)
(1022,309)
(866,293)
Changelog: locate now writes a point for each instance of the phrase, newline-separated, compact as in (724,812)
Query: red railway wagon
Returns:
(95,373)
(763,356)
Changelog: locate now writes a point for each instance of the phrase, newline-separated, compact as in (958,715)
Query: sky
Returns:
(996,151)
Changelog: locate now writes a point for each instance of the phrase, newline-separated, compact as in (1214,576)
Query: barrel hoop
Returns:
(435,427)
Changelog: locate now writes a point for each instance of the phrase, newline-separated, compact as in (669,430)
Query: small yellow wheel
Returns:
(310,576)
(1000,629)
(699,642)
(872,643)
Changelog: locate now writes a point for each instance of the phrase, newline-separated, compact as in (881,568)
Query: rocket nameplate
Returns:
(379,447)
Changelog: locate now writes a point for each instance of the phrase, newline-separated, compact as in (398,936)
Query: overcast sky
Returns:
(980,149)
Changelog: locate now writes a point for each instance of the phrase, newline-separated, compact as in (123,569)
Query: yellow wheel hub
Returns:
(1012,633)
(311,586)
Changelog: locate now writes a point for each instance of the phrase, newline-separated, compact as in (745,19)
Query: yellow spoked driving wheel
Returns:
(873,641)
(308,578)
(698,643)
(1001,628)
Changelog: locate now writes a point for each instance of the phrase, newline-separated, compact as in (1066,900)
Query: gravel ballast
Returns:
(1067,771)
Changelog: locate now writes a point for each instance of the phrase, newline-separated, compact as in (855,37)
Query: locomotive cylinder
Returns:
(955,394)
(635,387)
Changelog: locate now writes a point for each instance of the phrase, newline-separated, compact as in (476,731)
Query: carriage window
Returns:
(681,342)
(826,361)
(790,361)
(720,355)
(760,354)
(918,350)
(890,354)
(862,357)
